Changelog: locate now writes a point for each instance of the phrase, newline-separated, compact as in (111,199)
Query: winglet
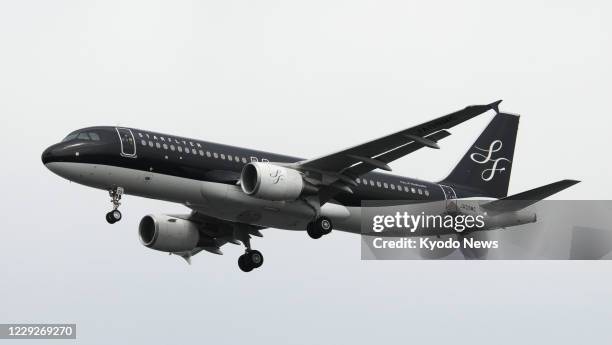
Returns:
(495,106)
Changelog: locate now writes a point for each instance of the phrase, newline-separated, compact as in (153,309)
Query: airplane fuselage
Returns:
(204,176)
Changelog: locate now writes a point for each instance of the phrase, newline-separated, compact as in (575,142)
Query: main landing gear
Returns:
(319,227)
(115,215)
(251,259)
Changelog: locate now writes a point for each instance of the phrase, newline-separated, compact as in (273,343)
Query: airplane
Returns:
(235,192)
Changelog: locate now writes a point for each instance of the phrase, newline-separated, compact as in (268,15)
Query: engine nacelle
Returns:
(271,182)
(168,234)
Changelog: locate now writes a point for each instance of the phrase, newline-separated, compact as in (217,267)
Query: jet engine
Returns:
(169,234)
(272,182)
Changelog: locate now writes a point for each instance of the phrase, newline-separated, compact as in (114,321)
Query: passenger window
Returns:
(244,160)
(94,136)
(180,149)
(420,191)
(413,190)
(207,153)
(229,158)
(186,150)
(371,182)
(157,145)
(201,153)
(172,147)
(150,143)
(215,155)
(426,192)
(358,180)
(83,136)
(194,151)
(143,142)
(222,156)
(393,186)
(385,185)
(378,184)
(165,146)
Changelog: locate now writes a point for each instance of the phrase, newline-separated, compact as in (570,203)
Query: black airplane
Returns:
(235,192)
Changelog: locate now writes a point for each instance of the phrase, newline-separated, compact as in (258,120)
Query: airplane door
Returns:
(128,142)
(451,198)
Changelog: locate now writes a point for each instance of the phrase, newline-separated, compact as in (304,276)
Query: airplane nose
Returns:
(47,155)
(54,153)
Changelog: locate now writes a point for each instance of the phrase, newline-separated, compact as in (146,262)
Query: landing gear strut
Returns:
(114,216)
(319,227)
(251,259)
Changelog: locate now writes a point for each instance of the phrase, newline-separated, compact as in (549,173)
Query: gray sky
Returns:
(302,78)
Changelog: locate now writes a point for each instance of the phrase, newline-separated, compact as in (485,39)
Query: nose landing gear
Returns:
(114,216)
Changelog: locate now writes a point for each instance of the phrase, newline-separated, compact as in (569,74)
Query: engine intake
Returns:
(271,182)
(169,234)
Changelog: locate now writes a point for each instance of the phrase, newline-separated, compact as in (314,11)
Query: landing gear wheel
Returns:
(113,216)
(313,232)
(324,224)
(255,258)
(243,264)
(321,226)
(250,260)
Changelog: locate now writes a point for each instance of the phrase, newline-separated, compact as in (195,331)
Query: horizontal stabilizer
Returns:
(520,201)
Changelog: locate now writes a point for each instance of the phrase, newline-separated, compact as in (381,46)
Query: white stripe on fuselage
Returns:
(217,200)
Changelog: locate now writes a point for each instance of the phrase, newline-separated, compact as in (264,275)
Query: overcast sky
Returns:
(301,78)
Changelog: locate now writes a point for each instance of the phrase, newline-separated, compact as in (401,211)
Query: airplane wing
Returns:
(219,231)
(339,170)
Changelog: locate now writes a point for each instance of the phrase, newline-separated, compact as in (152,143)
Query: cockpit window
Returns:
(82,136)
(70,136)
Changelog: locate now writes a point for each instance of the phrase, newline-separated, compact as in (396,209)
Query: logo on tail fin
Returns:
(480,158)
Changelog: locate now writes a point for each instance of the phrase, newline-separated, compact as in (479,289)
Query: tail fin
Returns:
(486,167)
